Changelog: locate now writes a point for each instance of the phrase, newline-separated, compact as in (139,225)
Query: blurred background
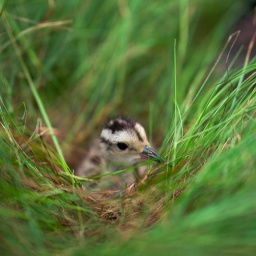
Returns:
(92,60)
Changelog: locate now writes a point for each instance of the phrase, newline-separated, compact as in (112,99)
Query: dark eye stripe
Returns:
(138,135)
(106,142)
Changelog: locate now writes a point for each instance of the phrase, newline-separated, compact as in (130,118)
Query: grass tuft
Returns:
(178,66)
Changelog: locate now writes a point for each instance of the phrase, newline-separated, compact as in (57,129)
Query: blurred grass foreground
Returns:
(184,69)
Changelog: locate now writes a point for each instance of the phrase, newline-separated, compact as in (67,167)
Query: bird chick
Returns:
(123,143)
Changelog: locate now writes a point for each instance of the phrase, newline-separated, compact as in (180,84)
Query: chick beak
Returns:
(150,154)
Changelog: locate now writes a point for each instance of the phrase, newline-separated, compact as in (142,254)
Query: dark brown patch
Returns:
(120,124)
(95,160)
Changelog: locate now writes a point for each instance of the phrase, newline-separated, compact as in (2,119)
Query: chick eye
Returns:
(122,146)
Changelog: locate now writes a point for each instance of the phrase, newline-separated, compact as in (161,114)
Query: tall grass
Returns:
(68,67)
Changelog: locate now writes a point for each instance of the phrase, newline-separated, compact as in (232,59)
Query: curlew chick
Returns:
(123,143)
